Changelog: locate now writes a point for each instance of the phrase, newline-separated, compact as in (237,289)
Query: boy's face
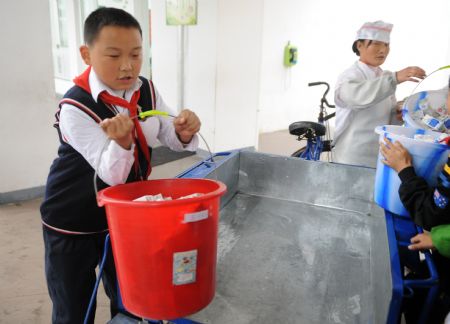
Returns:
(374,54)
(116,56)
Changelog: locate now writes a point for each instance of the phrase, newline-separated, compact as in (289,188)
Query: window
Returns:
(60,48)
(67,18)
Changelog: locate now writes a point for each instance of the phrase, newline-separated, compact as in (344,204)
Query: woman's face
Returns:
(374,54)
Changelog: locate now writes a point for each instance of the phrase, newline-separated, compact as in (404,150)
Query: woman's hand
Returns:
(395,155)
(411,73)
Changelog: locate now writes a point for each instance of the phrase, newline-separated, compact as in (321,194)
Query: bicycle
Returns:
(314,132)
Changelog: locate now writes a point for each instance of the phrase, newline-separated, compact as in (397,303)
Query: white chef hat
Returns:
(377,30)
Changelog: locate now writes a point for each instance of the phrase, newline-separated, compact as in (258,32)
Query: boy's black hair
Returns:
(355,48)
(103,17)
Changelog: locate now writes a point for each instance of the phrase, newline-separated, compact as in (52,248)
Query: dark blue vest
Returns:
(70,202)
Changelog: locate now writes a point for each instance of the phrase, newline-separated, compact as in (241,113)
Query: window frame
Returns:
(75,40)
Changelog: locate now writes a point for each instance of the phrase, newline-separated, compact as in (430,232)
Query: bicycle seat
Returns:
(306,127)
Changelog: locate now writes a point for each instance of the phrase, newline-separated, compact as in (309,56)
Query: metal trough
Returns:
(299,242)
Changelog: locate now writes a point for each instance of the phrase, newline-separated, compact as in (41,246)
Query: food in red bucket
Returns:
(160,197)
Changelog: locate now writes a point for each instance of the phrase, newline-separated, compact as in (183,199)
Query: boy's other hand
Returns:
(396,156)
(411,73)
(119,129)
(421,242)
(187,124)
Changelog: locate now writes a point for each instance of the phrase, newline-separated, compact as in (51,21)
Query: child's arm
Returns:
(186,125)
(424,203)
(169,129)
(83,133)
(119,129)
(441,239)
(421,242)
(395,155)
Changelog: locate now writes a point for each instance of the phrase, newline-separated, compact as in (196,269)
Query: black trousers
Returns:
(70,262)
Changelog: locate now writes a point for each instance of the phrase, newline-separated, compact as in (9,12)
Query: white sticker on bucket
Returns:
(195,217)
(184,267)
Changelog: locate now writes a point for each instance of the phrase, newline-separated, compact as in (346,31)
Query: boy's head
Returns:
(113,47)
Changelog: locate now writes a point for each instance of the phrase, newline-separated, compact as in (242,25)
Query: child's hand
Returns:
(421,242)
(119,128)
(396,156)
(186,125)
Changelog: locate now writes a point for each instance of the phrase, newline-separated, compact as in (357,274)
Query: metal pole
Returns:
(181,48)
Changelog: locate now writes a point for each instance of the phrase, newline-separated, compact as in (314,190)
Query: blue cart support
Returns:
(303,242)
(400,229)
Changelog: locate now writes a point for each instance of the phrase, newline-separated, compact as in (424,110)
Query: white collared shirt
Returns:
(86,136)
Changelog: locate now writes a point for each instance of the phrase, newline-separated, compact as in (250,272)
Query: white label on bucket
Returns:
(184,267)
(195,217)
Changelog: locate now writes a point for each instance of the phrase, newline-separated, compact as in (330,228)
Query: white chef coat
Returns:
(365,98)
(85,135)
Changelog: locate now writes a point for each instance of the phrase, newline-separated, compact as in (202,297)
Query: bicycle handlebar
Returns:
(324,99)
(312,84)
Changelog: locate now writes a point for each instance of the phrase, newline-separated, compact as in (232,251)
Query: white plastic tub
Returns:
(428,161)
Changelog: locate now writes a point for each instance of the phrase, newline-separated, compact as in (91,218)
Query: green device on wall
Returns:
(290,55)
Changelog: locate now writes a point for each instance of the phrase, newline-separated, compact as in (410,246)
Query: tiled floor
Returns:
(23,292)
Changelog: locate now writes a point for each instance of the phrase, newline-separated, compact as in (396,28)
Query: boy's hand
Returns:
(186,125)
(119,128)
(396,156)
(421,242)
(411,73)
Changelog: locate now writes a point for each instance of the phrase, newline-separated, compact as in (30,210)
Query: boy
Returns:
(429,208)
(103,104)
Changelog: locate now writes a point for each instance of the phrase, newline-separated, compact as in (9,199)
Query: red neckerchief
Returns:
(83,82)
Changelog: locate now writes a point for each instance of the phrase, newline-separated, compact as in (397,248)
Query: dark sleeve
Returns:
(427,206)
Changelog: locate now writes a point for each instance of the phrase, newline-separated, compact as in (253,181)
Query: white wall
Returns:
(222,68)
(28,140)
(238,71)
(324,31)
(235,79)
(200,62)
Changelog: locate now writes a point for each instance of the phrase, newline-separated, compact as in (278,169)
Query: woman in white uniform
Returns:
(365,96)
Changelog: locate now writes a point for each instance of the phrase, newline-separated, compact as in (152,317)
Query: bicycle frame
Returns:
(313,149)
(315,144)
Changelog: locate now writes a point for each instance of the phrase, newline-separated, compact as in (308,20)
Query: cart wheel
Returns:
(309,128)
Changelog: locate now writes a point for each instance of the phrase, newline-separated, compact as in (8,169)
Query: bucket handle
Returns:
(405,104)
(151,113)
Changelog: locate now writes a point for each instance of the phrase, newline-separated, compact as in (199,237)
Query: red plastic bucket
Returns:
(164,251)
